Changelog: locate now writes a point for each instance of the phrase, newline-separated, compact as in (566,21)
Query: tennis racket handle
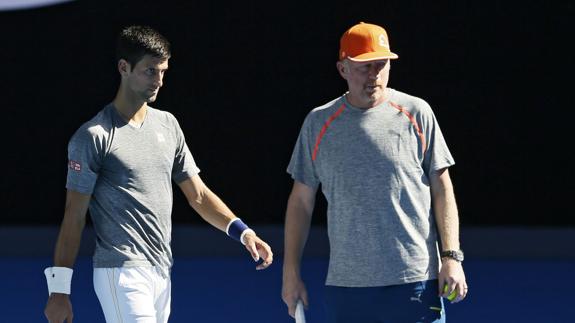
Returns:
(299,313)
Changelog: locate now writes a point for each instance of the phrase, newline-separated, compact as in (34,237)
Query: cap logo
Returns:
(383,41)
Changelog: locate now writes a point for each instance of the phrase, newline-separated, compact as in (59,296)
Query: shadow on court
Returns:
(222,290)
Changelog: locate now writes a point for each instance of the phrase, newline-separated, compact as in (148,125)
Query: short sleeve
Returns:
(85,152)
(301,166)
(184,165)
(437,155)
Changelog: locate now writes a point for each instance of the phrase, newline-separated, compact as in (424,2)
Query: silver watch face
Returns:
(458,255)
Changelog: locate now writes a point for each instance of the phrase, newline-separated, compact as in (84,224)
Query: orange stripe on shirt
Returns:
(414,123)
(324,129)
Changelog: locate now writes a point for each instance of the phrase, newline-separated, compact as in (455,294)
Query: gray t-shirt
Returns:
(373,166)
(128,171)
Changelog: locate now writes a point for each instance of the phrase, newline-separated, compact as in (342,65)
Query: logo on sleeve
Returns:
(74,165)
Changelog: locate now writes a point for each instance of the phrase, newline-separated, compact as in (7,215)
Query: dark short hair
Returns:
(136,41)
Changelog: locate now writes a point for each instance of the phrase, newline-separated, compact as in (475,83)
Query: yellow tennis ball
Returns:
(451,296)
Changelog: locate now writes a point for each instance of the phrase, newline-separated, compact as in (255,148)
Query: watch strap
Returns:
(453,254)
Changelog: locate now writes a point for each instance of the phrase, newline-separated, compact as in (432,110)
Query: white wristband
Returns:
(59,279)
(244,233)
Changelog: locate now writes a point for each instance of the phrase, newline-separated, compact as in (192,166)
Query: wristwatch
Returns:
(456,255)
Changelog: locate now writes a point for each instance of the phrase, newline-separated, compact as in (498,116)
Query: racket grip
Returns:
(299,312)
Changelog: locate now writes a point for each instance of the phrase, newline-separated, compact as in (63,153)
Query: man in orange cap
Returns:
(393,225)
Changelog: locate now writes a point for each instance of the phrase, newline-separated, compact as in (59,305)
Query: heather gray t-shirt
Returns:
(373,166)
(128,171)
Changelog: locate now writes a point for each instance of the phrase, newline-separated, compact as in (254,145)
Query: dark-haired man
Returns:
(121,165)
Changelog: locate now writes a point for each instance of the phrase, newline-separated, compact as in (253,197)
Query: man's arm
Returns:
(447,219)
(212,209)
(299,212)
(58,307)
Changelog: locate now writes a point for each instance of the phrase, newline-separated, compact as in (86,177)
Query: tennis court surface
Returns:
(229,289)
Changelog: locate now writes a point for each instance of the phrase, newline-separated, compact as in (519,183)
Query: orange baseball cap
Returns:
(365,42)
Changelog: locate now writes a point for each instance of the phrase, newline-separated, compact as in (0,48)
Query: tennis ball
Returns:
(451,296)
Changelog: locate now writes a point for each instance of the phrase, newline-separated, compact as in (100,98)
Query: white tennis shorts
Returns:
(133,294)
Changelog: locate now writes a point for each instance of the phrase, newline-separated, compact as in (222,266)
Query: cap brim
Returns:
(367,57)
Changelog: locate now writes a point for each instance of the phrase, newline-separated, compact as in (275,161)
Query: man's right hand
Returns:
(293,289)
(59,308)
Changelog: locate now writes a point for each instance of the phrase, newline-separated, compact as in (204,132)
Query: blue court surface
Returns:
(230,290)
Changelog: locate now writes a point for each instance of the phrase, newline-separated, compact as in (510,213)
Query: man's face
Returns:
(367,81)
(145,78)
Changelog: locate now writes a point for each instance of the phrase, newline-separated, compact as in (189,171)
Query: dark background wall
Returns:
(244,74)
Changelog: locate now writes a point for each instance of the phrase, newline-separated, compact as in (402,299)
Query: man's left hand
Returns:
(452,275)
(259,249)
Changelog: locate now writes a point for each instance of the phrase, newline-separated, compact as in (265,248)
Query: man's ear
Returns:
(342,69)
(123,67)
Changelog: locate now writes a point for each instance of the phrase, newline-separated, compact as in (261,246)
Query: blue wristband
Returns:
(235,229)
